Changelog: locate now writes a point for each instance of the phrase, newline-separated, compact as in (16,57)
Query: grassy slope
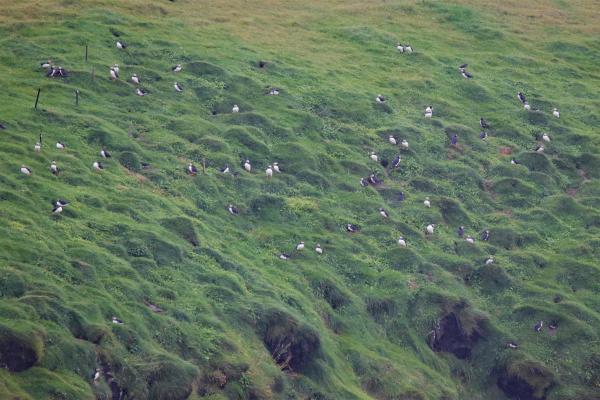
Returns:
(123,240)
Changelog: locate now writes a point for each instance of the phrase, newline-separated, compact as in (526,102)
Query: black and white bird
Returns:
(489,260)
(538,327)
(121,45)
(553,325)
(97,165)
(300,246)
(2,126)
(463,66)
(454,140)
(273,92)
(404,144)
(96,376)
(408,48)
(374,180)
(352,228)
(178,87)
(555,112)
(461,231)
(176,68)
(57,209)
(232,209)
(37,147)
(105,154)
(539,148)
(113,73)
(46,64)
(485,235)
(225,169)
(428,112)
(135,79)
(545,137)
(512,345)
(483,135)
(140,92)
(247,166)
(521,97)
(191,169)
(318,249)
(430,229)
(383,213)
(470,239)
(426,202)
(364,182)
(463,71)
(483,123)
(400,47)
(117,321)
(276,167)
(284,256)
(115,67)
(526,106)
(514,161)
(392,140)
(380,99)
(60,145)
(269,172)
(235,109)
(402,241)
(373,156)
(59,203)
(401,196)
(25,170)
(54,168)
(396,161)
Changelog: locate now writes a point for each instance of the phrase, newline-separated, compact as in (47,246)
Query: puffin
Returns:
(521,97)
(380,99)
(105,154)
(404,144)
(352,228)
(392,140)
(454,140)
(396,161)
(383,213)
(373,156)
(284,256)
(116,68)
(555,112)
(97,165)
(463,66)
(428,112)
(483,123)
(232,209)
(300,246)
(470,239)
(54,168)
(273,92)
(465,74)
(269,172)
(60,145)
(135,79)
(25,170)
(140,92)
(113,74)
(235,109)
(489,260)
(512,345)
(364,182)
(430,229)
(59,203)
(402,241)
(319,249)
(247,165)
(483,135)
(191,169)
(57,209)
(553,325)
(176,68)
(485,236)
(526,106)
(178,87)
(401,196)
(539,148)
(408,48)
(374,180)
(121,45)
(514,161)
(545,137)
(399,47)
(427,203)
(117,321)
(538,327)
(96,376)
(225,169)
(461,231)
(276,167)
(37,147)
(46,64)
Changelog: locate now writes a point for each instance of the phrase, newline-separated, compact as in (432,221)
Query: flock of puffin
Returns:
(59,205)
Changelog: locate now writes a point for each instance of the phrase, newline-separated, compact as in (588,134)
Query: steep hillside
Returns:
(204,306)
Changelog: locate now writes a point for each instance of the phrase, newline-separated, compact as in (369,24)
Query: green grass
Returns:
(355,322)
